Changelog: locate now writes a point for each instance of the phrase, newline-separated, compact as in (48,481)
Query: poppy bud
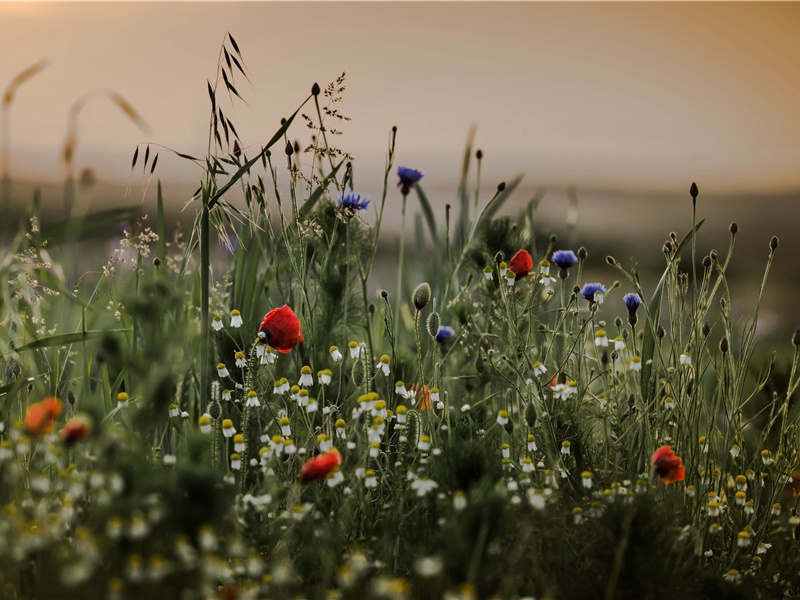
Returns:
(660,331)
(501,186)
(693,192)
(734,228)
(773,244)
(611,260)
(509,427)
(156,262)
(289,149)
(421,295)
(214,410)
(315,89)
(706,261)
(796,337)
(499,257)
(618,322)
(384,295)
(433,324)
(582,253)
(479,154)
(530,415)
(358,372)
(479,366)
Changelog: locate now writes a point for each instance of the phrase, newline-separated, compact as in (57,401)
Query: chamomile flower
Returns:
(488,273)
(227,428)
(686,359)
(502,417)
(238,443)
(601,339)
(423,486)
(531,443)
(355,349)
(336,356)
(565,447)
(222,370)
(205,424)
(252,399)
(619,343)
(240,361)
(236,319)
(383,365)
(635,364)
(370,479)
(216,323)
(306,379)
(400,389)
(539,368)
(325,376)
(286,428)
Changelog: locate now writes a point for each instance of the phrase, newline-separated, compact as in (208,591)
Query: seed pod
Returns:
(773,243)
(509,427)
(582,253)
(706,329)
(214,410)
(734,228)
(693,191)
(724,345)
(315,89)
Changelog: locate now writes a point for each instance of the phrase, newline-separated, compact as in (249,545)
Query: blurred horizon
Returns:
(636,97)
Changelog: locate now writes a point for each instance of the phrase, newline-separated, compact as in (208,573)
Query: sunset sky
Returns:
(629,96)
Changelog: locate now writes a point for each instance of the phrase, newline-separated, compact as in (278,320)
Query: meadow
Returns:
(235,412)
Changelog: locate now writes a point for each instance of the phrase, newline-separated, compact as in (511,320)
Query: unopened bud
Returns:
(734,228)
(796,337)
(421,295)
(315,89)
(693,192)
(289,149)
(509,427)
(433,324)
(479,154)
(358,372)
(660,331)
(707,261)
(499,257)
(611,260)
(724,345)
(582,253)
(706,329)
(773,243)
(501,186)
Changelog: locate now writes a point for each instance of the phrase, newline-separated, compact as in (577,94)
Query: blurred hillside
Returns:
(631,227)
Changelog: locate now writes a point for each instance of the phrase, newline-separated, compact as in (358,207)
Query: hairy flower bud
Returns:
(421,295)
(433,324)
(530,415)
(358,372)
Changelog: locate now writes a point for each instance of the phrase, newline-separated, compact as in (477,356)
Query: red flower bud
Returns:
(281,329)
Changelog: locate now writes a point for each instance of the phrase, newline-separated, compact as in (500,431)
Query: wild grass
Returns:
(494,431)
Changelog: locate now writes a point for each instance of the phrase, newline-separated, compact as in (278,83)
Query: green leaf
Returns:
(427,212)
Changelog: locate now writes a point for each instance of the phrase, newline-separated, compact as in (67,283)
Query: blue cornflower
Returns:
(408,177)
(445,333)
(353,201)
(632,301)
(564,259)
(593,292)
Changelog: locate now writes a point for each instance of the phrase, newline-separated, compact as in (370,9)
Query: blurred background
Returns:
(624,103)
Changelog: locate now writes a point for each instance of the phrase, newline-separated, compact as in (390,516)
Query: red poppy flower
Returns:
(281,329)
(320,466)
(520,264)
(668,465)
(76,429)
(40,416)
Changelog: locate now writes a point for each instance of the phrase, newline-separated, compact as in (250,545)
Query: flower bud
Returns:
(796,337)
(433,324)
(734,228)
(421,295)
(289,149)
(501,186)
(693,191)
(706,329)
(724,345)
(358,372)
(773,244)
(315,89)
(582,252)
(479,154)
(530,415)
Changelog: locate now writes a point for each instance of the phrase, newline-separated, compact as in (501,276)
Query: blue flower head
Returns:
(408,177)
(353,201)
(632,302)
(564,259)
(445,333)
(593,292)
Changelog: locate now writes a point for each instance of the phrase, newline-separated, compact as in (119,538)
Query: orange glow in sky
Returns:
(628,95)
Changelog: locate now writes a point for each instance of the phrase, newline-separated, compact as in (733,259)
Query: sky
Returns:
(629,96)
